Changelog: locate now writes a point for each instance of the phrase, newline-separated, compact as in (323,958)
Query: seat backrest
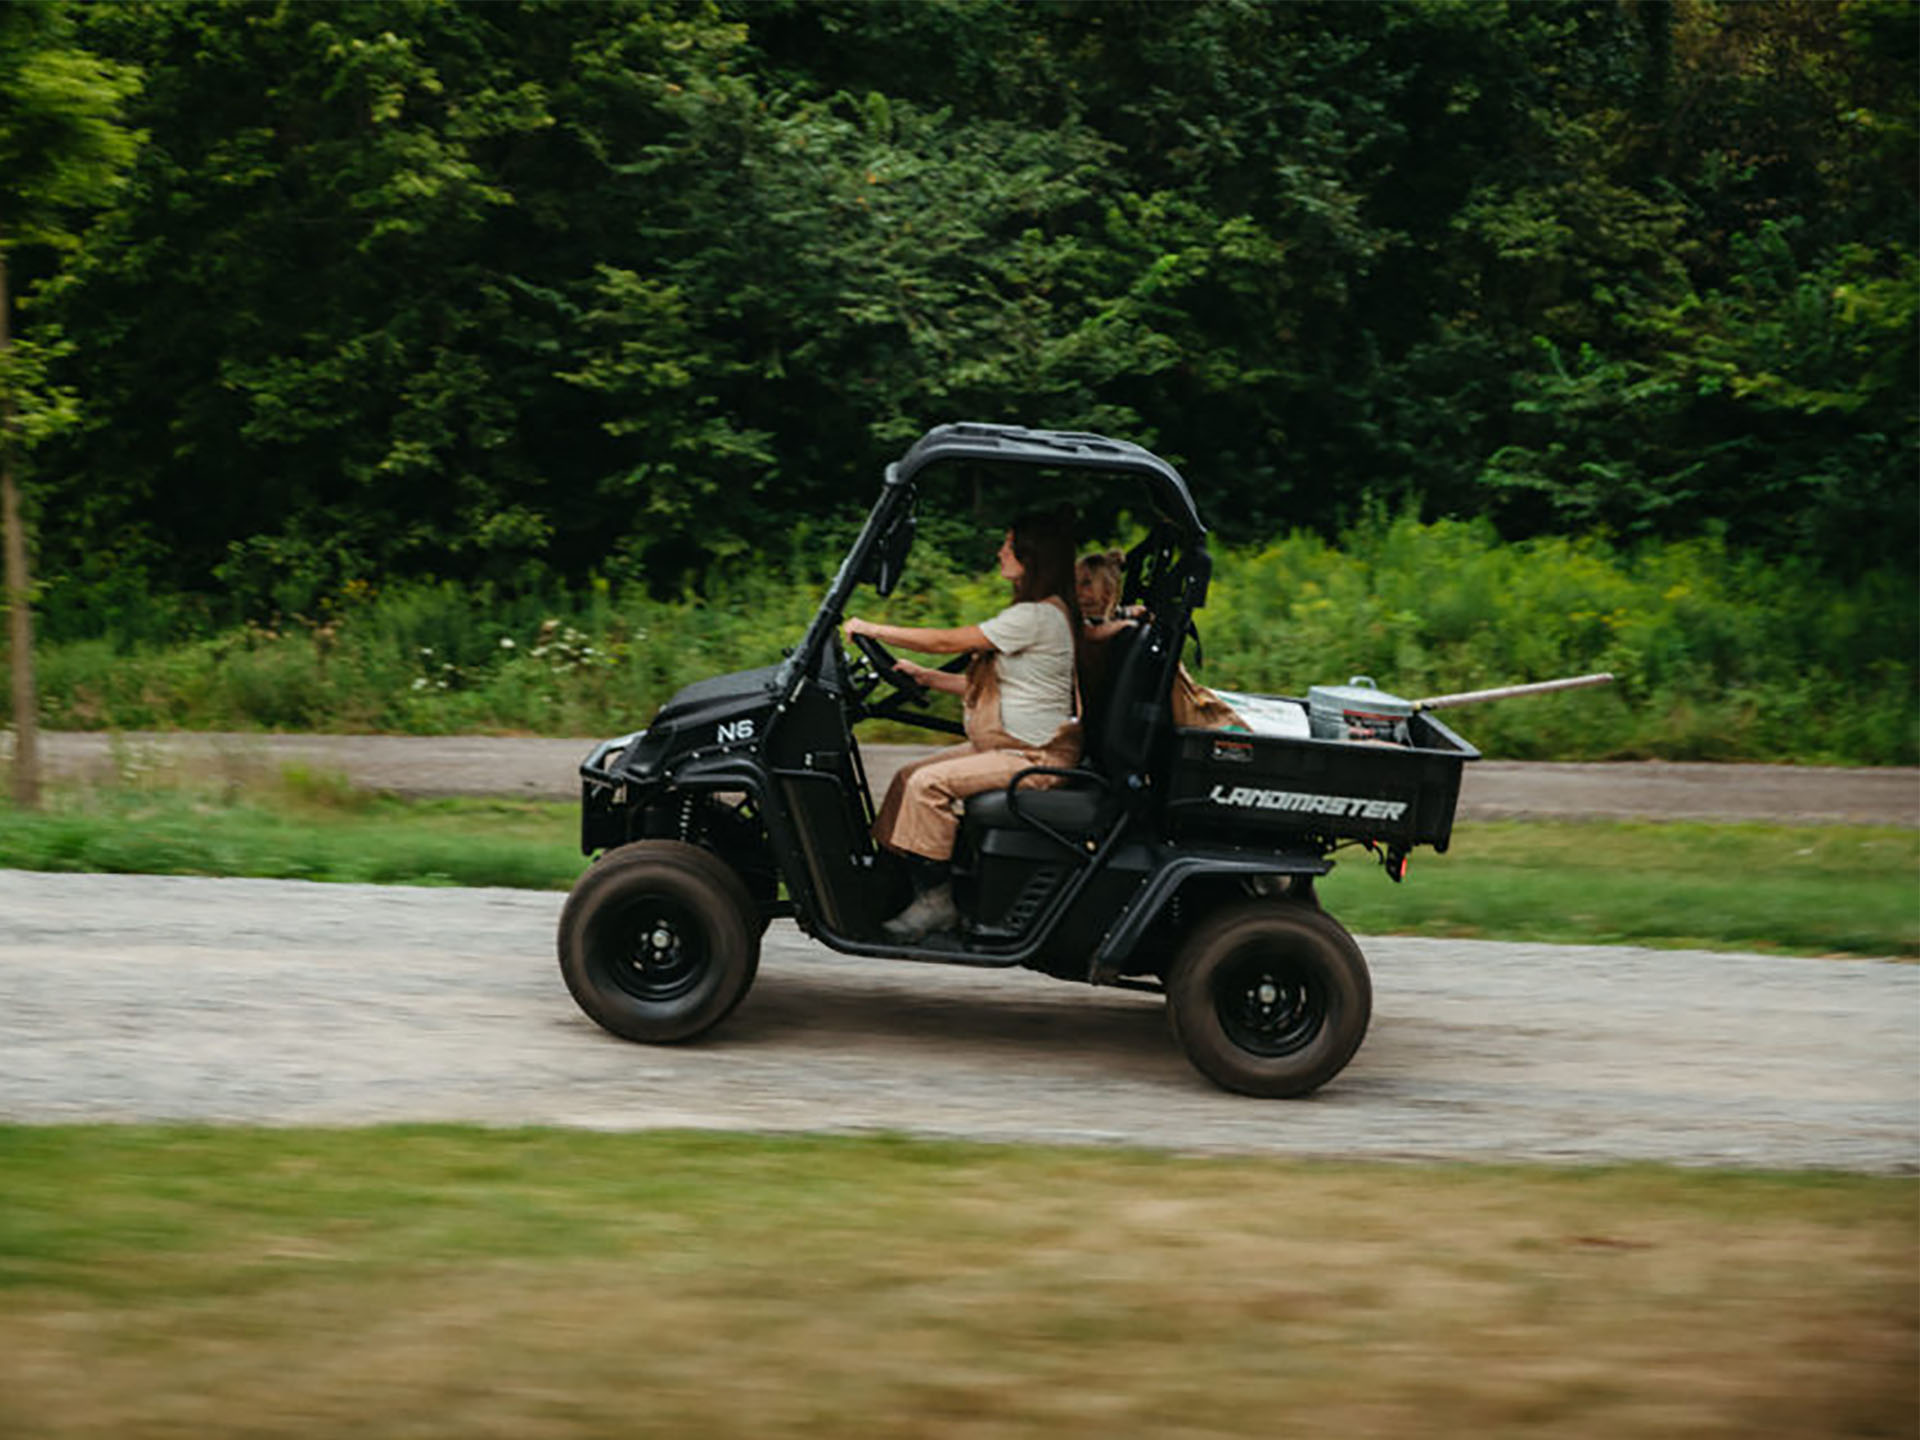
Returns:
(1098,661)
(1127,681)
(1127,719)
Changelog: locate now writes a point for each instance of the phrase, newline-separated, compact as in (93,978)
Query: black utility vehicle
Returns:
(1176,860)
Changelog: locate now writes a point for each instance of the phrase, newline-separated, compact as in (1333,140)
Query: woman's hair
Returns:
(1043,544)
(1106,569)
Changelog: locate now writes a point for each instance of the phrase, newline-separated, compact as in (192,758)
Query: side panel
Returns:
(1237,788)
(1006,882)
(815,766)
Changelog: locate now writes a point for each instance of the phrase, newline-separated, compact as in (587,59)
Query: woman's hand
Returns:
(947,682)
(927,675)
(919,637)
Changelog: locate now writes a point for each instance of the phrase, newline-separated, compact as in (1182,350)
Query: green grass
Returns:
(1811,890)
(1844,890)
(300,829)
(443,1281)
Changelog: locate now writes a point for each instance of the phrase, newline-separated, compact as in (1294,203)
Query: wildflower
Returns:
(506,642)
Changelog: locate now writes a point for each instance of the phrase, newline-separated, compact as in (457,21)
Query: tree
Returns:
(63,151)
(361,251)
(525,293)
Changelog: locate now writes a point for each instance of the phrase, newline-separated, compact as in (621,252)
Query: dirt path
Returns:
(129,998)
(547,769)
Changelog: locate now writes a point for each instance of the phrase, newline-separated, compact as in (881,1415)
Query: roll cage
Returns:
(1169,572)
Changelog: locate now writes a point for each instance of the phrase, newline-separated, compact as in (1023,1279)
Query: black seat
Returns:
(1128,721)
(1099,664)
(1076,810)
(1125,721)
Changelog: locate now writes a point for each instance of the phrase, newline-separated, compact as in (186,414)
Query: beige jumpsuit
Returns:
(921,813)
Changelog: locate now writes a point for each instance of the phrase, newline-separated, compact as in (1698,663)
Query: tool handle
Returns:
(1507,692)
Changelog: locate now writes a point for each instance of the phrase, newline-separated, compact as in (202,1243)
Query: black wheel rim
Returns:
(654,950)
(1270,1003)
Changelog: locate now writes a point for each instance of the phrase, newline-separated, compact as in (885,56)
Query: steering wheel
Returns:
(883,666)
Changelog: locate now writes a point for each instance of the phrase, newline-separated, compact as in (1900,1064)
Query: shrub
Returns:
(1718,654)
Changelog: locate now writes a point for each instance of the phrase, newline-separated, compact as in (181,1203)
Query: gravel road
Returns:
(153,998)
(549,769)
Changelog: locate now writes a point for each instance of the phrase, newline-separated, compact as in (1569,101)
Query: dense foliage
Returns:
(1721,656)
(524,293)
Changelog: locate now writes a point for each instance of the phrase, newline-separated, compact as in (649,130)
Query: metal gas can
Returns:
(1357,710)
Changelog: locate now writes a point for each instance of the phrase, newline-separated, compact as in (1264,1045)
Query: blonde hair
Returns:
(1106,569)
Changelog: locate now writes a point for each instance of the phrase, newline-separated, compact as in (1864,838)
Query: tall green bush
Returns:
(1719,654)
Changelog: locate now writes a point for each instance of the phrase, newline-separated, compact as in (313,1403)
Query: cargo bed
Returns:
(1274,783)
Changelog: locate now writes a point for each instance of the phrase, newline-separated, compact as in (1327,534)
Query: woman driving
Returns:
(1018,709)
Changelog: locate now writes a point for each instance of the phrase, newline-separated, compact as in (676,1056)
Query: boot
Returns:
(931,911)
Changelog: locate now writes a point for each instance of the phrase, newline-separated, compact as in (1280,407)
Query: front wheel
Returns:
(659,941)
(1270,998)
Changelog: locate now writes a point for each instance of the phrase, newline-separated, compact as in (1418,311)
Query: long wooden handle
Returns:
(1507,692)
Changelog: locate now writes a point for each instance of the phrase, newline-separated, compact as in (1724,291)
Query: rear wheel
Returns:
(659,941)
(1269,998)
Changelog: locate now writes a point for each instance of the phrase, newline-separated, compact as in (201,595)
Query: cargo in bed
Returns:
(1274,782)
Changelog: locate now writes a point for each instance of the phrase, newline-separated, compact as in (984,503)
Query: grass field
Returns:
(1813,890)
(436,1281)
(172,1282)
(1827,889)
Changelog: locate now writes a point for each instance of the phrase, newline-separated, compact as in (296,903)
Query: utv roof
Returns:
(1017,445)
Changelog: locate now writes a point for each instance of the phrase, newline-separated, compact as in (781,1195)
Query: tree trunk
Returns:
(26,717)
